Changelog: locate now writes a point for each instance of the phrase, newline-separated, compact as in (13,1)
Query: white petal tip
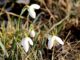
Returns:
(33,16)
(35,6)
(58,39)
(62,43)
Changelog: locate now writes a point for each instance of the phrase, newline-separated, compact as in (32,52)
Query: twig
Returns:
(12,13)
(56,24)
(49,11)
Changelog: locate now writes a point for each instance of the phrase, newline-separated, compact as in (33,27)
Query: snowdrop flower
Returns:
(31,10)
(32,33)
(53,41)
(25,43)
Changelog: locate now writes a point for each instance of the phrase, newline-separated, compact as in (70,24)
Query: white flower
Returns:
(25,43)
(23,1)
(53,41)
(32,33)
(31,10)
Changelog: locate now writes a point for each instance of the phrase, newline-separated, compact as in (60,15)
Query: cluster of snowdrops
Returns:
(53,40)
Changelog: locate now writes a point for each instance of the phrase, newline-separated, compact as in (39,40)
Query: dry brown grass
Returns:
(61,17)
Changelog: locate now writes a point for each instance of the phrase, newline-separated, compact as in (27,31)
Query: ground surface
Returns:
(58,17)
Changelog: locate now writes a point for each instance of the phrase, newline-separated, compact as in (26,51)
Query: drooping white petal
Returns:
(32,12)
(58,39)
(35,6)
(30,41)
(50,42)
(26,47)
(25,43)
(32,33)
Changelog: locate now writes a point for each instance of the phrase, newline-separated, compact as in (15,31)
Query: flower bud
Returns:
(32,33)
